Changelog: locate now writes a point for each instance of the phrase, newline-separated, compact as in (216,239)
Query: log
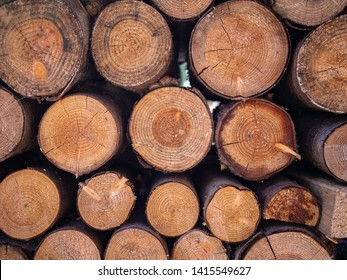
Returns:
(284,243)
(255,139)
(285,200)
(171,129)
(317,75)
(322,139)
(43,46)
(307,13)
(172,206)
(74,241)
(81,132)
(9,252)
(32,200)
(197,244)
(183,11)
(131,44)
(332,195)
(232,49)
(105,200)
(231,210)
(18,124)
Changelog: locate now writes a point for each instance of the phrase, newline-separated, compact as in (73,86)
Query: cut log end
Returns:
(80,133)
(255,139)
(335,152)
(290,245)
(171,128)
(198,245)
(106,200)
(293,204)
(233,214)
(67,245)
(187,10)
(40,55)
(135,50)
(135,244)
(29,204)
(321,66)
(172,209)
(239,49)
(9,252)
(308,12)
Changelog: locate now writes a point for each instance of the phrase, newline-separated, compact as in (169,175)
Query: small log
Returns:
(131,44)
(255,139)
(317,76)
(183,11)
(18,124)
(81,132)
(9,252)
(43,46)
(333,198)
(74,241)
(239,49)
(284,243)
(31,201)
(308,13)
(197,244)
(173,205)
(285,200)
(322,139)
(231,211)
(106,200)
(171,128)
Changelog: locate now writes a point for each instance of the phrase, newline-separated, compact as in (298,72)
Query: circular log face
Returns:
(29,204)
(172,209)
(171,128)
(67,245)
(183,10)
(308,12)
(233,214)
(255,139)
(11,124)
(135,244)
(335,152)
(198,245)
(41,46)
(239,49)
(131,44)
(9,252)
(80,133)
(106,200)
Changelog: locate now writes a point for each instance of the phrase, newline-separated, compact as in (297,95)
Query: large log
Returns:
(19,119)
(74,241)
(239,49)
(131,44)
(307,13)
(230,210)
(81,132)
(322,140)
(9,252)
(317,75)
(171,128)
(183,10)
(285,200)
(43,46)
(198,244)
(31,201)
(255,139)
(172,206)
(284,243)
(106,200)
(332,195)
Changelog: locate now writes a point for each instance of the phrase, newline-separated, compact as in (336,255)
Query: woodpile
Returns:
(185,130)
